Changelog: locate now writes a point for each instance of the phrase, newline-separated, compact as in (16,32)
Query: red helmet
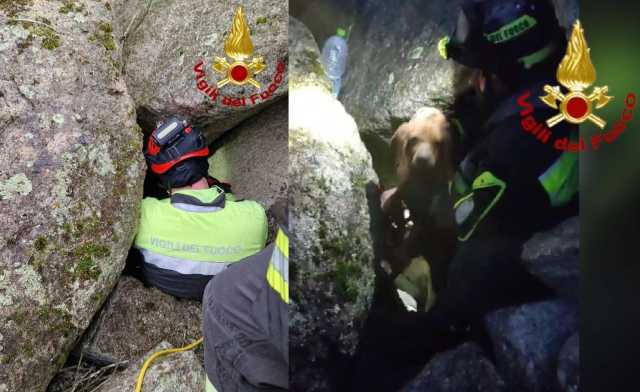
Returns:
(171,150)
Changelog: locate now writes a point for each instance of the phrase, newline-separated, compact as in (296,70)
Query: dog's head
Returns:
(423,148)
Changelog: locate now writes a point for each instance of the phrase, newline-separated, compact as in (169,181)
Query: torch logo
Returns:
(576,73)
(238,47)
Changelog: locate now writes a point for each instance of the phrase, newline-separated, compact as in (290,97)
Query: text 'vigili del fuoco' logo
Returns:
(576,73)
(239,48)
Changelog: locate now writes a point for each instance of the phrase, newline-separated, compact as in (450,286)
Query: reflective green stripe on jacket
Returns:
(278,270)
(202,225)
(561,180)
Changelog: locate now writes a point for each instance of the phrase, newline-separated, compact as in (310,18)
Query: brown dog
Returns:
(423,155)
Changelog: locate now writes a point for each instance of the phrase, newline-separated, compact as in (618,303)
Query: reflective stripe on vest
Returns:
(278,270)
(561,179)
(468,214)
(202,225)
(195,208)
(182,266)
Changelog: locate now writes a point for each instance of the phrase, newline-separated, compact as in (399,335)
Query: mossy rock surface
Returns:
(306,65)
(331,250)
(70,186)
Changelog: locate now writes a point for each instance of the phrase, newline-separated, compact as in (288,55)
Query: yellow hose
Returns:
(161,353)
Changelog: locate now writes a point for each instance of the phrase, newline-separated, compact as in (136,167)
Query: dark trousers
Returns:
(485,274)
(245,327)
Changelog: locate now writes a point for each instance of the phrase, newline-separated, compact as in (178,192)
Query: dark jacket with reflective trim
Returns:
(246,323)
(517,158)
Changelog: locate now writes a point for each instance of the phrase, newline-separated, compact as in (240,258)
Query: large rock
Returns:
(554,257)
(254,158)
(331,251)
(164,40)
(527,340)
(394,67)
(464,369)
(136,318)
(569,365)
(175,372)
(70,183)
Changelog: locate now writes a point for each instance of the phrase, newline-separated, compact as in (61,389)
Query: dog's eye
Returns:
(412,142)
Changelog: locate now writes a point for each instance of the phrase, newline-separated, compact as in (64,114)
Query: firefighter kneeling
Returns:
(201,229)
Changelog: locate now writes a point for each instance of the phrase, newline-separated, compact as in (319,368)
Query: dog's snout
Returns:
(424,156)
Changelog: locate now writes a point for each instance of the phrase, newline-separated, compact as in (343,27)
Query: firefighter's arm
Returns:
(500,177)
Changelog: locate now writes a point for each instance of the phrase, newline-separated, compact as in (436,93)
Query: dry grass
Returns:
(84,377)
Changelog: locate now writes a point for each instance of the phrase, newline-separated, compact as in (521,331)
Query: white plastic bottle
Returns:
(334,58)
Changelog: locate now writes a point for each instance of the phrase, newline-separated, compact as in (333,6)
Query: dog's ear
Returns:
(395,141)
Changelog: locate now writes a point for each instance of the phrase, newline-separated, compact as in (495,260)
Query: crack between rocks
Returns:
(128,31)
(21,93)
(144,13)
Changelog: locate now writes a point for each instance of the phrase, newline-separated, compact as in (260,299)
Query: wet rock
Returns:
(331,251)
(464,369)
(175,372)
(527,339)
(136,318)
(70,183)
(254,158)
(554,256)
(569,365)
(164,41)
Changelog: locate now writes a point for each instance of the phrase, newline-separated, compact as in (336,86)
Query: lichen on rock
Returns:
(160,56)
(17,185)
(70,188)
(331,250)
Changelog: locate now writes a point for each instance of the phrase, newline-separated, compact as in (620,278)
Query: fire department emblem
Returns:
(239,48)
(576,72)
